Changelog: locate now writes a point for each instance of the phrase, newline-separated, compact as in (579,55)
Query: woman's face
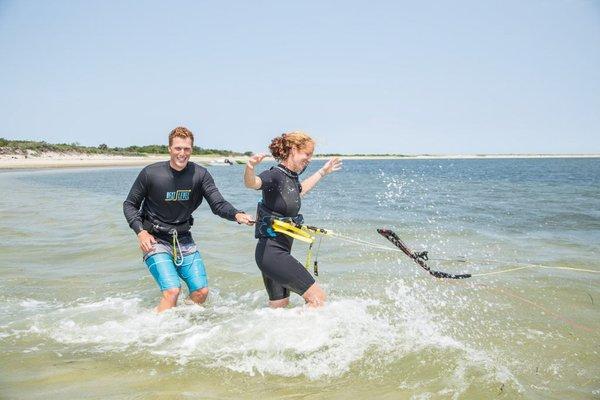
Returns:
(300,158)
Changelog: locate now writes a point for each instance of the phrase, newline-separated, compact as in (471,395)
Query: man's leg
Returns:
(163,270)
(193,273)
(168,300)
(199,296)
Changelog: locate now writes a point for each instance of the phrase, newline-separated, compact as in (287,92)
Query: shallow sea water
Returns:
(76,316)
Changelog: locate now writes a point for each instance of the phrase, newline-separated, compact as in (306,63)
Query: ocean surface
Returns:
(76,301)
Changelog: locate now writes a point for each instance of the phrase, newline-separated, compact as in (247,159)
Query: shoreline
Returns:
(81,160)
(56,160)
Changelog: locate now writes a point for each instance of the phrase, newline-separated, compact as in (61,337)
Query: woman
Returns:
(281,191)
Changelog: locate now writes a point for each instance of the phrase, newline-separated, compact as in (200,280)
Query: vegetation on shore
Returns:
(30,147)
(365,155)
(37,148)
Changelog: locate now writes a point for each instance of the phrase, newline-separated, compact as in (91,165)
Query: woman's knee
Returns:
(315,296)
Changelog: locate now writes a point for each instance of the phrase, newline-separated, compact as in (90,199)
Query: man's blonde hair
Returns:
(182,132)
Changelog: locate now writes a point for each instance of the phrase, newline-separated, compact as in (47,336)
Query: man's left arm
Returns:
(219,206)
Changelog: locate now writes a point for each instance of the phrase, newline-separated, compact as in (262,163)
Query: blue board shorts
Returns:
(167,275)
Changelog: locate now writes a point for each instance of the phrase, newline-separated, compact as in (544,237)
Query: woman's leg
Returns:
(314,296)
(279,296)
(282,271)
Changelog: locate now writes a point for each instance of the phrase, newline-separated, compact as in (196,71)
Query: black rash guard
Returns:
(170,196)
(281,272)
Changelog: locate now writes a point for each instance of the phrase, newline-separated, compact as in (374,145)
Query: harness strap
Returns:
(153,224)
(176,248)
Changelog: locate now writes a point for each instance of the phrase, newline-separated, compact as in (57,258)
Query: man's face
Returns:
(180,151)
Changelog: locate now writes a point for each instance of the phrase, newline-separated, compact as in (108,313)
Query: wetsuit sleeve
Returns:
(267,180)
(217,203)
(133,202)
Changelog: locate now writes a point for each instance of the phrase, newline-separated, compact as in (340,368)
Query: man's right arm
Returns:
(131,209)
(133,202)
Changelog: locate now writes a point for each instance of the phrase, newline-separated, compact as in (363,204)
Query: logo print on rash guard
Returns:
(180,195)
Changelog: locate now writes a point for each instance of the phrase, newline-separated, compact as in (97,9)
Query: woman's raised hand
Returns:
(334,164)
(256,159)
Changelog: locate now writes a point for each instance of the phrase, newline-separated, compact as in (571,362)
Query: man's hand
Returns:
(243,218)
(146,241)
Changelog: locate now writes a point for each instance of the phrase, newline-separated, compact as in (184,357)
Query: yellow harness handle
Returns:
(292,231)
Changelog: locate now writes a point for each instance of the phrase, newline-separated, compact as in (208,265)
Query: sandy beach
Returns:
(82,160)
(79,160)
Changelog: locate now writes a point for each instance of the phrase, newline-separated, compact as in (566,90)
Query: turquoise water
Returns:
(76,316)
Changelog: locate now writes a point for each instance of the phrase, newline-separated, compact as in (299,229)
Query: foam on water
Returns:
(224,334)
(242,335)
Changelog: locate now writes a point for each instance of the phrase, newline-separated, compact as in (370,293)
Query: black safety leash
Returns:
(418,257)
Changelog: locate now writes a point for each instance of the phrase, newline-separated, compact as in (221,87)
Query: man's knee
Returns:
(171,293)
(199,296)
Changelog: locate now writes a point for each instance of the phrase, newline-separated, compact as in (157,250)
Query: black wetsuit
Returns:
(281,272)
(169,197)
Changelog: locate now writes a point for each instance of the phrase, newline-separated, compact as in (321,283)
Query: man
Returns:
(168,193)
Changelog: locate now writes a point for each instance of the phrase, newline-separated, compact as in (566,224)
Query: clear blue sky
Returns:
(360,76)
